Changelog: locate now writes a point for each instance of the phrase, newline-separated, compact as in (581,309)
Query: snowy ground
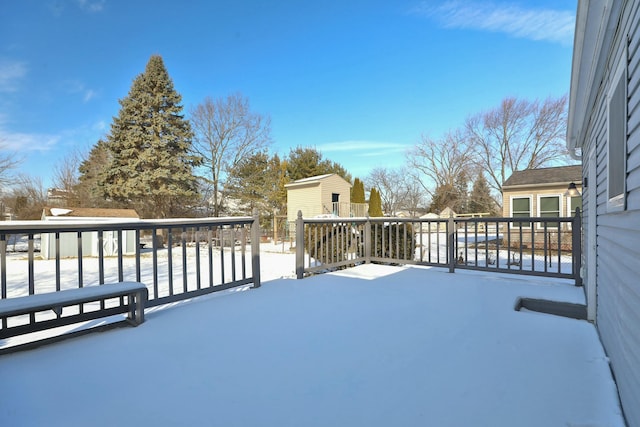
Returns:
(368,346)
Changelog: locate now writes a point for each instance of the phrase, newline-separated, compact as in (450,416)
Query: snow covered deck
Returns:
(368,346)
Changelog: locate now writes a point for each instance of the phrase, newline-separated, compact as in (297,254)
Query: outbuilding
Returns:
(90,239)
(328,195)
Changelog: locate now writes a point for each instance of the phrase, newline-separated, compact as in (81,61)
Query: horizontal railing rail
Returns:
(176,258)
(543,246)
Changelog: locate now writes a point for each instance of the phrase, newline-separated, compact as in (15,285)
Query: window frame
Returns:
(570,208)
(511,199)
(617,202)
(560,198)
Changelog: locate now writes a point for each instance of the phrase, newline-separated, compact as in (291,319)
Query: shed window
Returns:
(521,208)
(617,143)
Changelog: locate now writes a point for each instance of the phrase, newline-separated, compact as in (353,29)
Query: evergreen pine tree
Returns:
(461,190)
(357,192)
(375,203)
(150,141)
(444,196)
(280,195)
(307,162)
(89,189)
(480,200)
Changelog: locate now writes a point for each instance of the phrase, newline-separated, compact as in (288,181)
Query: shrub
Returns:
(394,241)
(329,243)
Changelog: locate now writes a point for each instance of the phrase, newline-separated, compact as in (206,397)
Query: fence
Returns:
(177,258)
(533,246)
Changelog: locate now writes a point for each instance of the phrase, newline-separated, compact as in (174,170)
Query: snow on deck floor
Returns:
(368,346)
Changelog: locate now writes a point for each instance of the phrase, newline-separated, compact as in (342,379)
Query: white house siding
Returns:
(617,233)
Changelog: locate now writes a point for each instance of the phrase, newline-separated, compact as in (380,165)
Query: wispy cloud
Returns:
(556,26)
(89,94)
(91,6)
(11,74)
(363,148)
(77,87)
(27,142)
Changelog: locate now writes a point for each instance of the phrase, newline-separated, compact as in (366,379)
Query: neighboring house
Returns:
(603,131)
(431,226)
(58,197)
(541,193)
(447,213)
(69,241)
(327,195)
(5,212)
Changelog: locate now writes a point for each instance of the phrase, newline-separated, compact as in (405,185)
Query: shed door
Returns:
(335,201)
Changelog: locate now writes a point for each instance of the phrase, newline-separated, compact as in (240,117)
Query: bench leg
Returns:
(136,307)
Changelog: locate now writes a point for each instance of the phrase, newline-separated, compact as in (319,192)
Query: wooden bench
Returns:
(136,296)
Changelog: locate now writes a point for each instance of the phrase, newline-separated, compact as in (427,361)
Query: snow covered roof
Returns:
(314,180)
(50,212)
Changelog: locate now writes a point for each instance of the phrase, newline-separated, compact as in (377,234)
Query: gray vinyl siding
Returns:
(618,233)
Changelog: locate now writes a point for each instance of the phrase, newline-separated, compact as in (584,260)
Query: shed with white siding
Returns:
(604,130)
(90,239)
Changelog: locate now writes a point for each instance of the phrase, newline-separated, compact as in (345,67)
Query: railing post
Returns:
(299,246)
(367,241)
(255,248)
(451,244)
(576,246)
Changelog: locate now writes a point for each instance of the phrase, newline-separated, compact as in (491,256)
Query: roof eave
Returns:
(587,65)
(545,185)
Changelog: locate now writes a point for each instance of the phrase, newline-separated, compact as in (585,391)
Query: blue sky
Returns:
(360,80)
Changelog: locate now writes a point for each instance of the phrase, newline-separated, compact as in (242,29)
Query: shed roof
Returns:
(314,180)
(90,213)
(555,175)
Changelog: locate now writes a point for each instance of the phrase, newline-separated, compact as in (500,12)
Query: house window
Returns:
(521,208)
(572,204)
(549,207)
(617,140)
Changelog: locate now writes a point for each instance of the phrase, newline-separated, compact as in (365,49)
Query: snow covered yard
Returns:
(367,346)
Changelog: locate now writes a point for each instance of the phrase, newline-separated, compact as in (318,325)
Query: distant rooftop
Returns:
(90,212)
(555,175)
(313,179)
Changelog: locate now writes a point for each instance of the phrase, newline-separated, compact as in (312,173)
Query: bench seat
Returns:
(135,292)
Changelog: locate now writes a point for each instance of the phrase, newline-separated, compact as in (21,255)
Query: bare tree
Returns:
(65,177)
(391,186)
(517,135)
(226,131)
(29,197)
(437,163)
(414,199)
(8,162)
